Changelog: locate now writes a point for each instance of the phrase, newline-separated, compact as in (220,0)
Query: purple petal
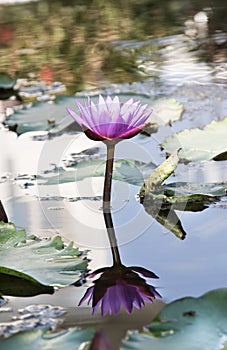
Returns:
(127,296)
(75,116)
(130,132)
(105,307)
(138,301)
(114,300)
(88,295)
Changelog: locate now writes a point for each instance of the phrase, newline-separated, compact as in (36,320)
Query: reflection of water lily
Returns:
(109,119)
(120,285)
(100,342)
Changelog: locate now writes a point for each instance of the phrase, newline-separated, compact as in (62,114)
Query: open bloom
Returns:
(120,285)
(109,119)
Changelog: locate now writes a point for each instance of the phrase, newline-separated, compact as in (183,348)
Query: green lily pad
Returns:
(15,283)
(197,144)
(130,171)
(184,189)
(188,323)
(74,338)
(42,115)
(47,260)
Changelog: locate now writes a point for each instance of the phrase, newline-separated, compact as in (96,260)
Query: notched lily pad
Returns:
(200,144)
(188,323)
(47,260)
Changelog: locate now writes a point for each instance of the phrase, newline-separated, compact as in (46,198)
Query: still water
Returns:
(158,49)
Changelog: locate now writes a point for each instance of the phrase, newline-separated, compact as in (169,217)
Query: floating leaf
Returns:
(47,260)
(130,171)
(73,338)
(15,283)
(166,111)
(42,115)
(188,323)
(198,144)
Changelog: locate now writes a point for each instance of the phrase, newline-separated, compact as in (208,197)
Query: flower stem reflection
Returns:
(117,285)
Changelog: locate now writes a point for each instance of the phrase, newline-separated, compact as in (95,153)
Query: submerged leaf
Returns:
(47,260)
(188,323)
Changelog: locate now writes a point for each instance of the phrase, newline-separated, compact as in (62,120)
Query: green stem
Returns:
(108,176)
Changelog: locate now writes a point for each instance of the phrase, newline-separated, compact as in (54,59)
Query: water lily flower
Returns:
(109,119)
(120,285)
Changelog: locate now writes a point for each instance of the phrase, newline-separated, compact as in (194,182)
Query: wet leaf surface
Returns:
(200,144)
(188,323)
(47,260)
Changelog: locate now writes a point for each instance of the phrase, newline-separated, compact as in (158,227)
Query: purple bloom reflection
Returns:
(120,285)
(109,119)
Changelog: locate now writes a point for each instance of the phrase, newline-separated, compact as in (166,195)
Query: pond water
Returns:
(153,50)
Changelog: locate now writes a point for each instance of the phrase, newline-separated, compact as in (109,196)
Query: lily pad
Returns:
(183,189)
(188,323)
(166,111)
(130,171)
(200,144)
(47,260)
(42,115)
(74,338)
